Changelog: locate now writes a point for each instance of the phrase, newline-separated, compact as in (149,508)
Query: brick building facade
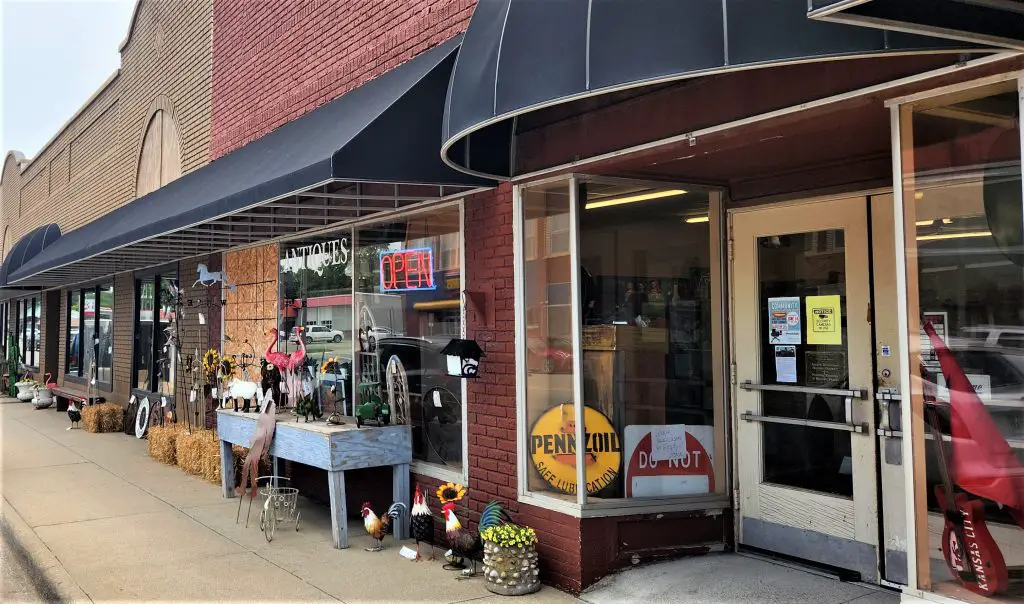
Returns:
(206,89)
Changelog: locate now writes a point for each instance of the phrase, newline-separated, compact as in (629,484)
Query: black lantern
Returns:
(463,358)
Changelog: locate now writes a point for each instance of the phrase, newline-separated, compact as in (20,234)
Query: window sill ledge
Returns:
(439,472)
(712,504)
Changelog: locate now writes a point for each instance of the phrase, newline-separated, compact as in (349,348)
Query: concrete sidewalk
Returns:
(103,521)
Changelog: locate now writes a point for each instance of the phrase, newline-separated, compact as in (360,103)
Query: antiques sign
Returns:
(317,256)
(553,448)
(407,270)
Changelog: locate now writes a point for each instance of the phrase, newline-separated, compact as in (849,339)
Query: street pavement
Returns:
(101,520)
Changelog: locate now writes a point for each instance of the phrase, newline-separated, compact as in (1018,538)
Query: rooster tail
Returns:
(396,510)
(493,515)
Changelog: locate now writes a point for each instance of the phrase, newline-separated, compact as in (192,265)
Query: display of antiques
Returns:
(379,526)
(131,414)
(290,365)
(142,418)
(467,543)
(308,397)
(979,465)
(371,408)
(338,373)
(261,440)
(421,525)
(463,358)
(280,505)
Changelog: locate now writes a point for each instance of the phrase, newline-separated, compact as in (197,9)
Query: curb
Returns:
(48,577)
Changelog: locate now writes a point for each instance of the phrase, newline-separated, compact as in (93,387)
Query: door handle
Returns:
(886,398)
(848,395)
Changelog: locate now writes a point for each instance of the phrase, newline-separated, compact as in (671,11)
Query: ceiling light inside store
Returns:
(696,219)
(617,201)
(924,222)
(954,235)
(947,221)
(919,195)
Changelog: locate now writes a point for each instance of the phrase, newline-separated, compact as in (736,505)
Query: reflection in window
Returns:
(90,334)
(29,321)
(966,271)
(155,331)
(645,270)
(316,294)
(547,292)
(408,307)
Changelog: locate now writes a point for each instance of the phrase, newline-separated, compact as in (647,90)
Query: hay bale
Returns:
(162,443)
(91,418)
(105,417)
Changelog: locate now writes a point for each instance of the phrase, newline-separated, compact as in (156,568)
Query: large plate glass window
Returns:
(90,334)
(29,321)
(640,317)
(962,197)
(155,359)
(316,296)
(407,308)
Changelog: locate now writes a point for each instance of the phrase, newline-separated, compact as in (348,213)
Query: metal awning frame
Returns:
(839,12)
(330,204)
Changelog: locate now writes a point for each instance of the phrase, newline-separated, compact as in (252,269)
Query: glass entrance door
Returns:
(802,347)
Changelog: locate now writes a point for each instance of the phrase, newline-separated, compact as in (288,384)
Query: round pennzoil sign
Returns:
(553,448)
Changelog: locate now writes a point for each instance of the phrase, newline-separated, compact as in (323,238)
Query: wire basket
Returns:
(280,506)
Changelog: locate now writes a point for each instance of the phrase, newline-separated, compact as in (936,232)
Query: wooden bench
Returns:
(64,395)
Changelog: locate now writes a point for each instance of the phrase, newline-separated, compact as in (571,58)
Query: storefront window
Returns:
(90,334)
(644,280)
(155,356)
(316,294)
(547,293)
(29,320)
(408,307)
(965,277)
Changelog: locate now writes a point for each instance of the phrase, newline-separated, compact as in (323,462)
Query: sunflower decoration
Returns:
(450,492)
(226,367)
(331,366)
(211,362)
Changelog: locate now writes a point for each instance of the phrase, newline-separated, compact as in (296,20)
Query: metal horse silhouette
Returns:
(208,277)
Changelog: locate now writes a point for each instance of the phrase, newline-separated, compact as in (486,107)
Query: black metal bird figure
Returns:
(422,523)
(74,414)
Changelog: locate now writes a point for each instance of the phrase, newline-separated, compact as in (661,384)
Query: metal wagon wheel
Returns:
(398,390)
(270,526)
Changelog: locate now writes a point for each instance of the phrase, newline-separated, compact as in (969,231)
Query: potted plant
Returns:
(26,389)
(510,560)
(43,396)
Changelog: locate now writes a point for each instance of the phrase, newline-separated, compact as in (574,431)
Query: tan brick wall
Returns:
(90,166)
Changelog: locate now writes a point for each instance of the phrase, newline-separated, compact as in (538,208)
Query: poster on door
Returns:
(689,468)
(784,320)
(824,320)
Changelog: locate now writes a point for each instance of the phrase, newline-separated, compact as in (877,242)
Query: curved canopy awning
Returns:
(522,55)
(996,22)
(27,248)
(374,149)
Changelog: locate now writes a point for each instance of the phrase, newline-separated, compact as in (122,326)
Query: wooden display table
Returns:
(329,447)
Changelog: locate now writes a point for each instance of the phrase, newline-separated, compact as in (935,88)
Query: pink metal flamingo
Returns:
(49,381)
(275,358)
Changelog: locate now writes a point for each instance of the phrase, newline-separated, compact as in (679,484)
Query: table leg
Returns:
(400,492)
(227,469)
(339,512)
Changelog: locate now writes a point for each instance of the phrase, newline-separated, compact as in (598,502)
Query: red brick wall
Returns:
(274,61)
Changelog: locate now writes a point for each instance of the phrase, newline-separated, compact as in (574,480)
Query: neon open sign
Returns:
(407,270)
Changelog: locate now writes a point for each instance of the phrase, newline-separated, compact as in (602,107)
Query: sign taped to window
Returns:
(824,320)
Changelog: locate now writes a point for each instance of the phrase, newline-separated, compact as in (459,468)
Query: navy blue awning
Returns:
(27,248)
(520,56)
(996,22)
(374,149)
